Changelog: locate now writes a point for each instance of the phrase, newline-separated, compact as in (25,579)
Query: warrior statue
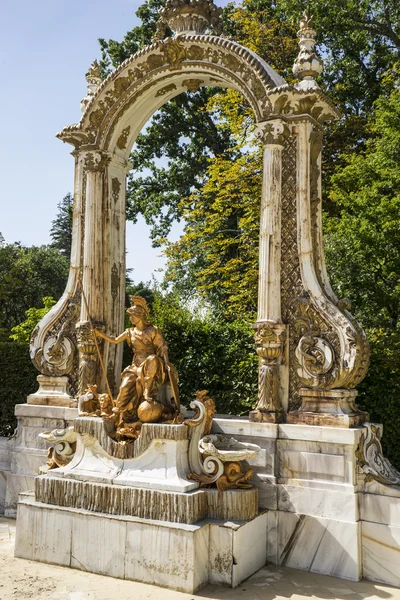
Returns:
(140,395)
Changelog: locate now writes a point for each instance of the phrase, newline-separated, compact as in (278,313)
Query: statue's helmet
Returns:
(139,307)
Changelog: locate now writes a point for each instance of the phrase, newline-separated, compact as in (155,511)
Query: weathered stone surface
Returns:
(173,507)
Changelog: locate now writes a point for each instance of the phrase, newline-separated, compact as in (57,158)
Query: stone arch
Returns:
(154,75)
(310,348)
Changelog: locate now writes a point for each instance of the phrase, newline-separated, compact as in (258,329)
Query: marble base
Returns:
(178,556)
(260,416)
(22,455)
(52,392)
(381,553)
(328,408)
(315,544)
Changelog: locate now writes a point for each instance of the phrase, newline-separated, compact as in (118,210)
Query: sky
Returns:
(46,48)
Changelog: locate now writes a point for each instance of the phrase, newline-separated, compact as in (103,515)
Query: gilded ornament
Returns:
(166,89)
(123,138)
(192,84)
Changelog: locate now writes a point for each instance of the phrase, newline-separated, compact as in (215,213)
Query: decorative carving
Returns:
(115,189)
(166,89)
(174,52)
(272,132)
(215,459)
(63,447)
(93,78)
(123,138)
(115,281)
(307,65)
(188,16)
(89,403)
(371,459)
(126,84)
(315,356)
(269,338)
(291,284)
(192,84)
(87,357)
(53,351)
(95,160)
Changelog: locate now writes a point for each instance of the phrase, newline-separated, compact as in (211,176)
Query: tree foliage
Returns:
(61,227)
(22,332)
(27,274)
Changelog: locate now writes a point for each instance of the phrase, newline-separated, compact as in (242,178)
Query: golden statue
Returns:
(140,394)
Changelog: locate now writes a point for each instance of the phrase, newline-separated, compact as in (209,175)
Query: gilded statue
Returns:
(140,397)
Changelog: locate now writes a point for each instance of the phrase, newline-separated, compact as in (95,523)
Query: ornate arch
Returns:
(311,350)
(161,71)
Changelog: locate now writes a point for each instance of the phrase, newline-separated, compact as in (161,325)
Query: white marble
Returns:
(16,484)
(319,545)
(249,548)
(178,556)
(381,509)
(3,488)
(52,391)
(163,466)
(272,537)
(46,412)
(318,503)
(332,435)
(381,553)
(242,426)
(43,534)
(316,461)
(98,544)
(167,556)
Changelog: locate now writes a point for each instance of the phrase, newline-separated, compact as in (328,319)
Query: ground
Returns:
(24,579)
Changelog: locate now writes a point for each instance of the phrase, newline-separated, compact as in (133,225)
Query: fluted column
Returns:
(269,331)
(94,164)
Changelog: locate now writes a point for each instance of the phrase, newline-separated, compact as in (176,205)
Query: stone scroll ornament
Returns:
(62,447)
(216,459)
(371,460)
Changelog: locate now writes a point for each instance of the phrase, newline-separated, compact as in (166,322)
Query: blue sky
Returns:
(46,48)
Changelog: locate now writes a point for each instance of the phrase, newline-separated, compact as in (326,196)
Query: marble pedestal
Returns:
(22,455)
(52,392)
(174,555)
(324,516)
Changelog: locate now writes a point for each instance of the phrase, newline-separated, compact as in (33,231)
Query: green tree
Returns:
(27,274)
(22,332)
(61,227)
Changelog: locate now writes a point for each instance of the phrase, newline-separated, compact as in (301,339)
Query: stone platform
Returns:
(179,556)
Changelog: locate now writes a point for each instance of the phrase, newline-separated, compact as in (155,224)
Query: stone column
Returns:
(114,264)
(94,164)
(269,331)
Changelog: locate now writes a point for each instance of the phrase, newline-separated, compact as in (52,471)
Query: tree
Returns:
(27,274)
(61,227)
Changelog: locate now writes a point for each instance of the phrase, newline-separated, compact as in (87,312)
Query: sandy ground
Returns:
(23,580)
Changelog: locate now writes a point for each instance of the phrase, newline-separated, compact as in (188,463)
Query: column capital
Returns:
(94,160)
(272,132)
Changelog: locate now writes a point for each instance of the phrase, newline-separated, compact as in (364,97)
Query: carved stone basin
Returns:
(227,448)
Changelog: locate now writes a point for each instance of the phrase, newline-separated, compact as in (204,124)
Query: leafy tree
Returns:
(22,332)
(61,227)
(27,274)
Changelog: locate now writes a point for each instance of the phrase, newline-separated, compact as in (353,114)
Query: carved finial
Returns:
(93,78)
(307,65)
(191,17)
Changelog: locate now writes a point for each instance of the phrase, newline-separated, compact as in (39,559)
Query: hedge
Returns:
(18,380)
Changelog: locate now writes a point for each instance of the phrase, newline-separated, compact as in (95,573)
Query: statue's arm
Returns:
(113,340)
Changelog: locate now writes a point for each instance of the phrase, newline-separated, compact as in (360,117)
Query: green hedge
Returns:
(18,379)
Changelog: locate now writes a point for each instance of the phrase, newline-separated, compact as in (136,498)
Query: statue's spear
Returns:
(95,340)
